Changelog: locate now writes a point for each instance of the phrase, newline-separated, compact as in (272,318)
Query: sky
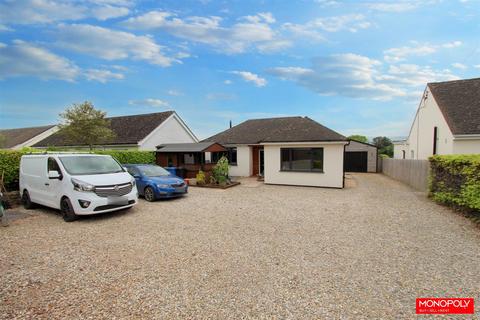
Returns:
(357,67)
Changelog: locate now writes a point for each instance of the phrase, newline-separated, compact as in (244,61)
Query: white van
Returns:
(77,184)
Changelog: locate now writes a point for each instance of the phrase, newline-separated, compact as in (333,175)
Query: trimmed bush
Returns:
(130,156)
(9,166)
(10,161)
(455,180)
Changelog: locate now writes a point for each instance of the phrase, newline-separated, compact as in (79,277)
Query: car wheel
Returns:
(27,203)
(149,194)
(67,210)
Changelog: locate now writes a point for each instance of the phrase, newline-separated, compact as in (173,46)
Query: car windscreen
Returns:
(83,165)
(153,171)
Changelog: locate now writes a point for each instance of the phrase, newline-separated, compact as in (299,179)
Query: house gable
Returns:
(172,130)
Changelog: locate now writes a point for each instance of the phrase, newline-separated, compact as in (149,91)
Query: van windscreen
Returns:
(82,165)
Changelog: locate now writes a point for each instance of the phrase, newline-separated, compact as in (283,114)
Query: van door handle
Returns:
(47,184)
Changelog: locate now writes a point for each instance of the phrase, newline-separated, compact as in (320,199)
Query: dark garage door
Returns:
(356,161)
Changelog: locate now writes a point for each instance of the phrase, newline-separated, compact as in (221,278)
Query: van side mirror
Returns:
(53,174)
(136,176)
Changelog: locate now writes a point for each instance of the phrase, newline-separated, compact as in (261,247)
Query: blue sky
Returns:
(355,66)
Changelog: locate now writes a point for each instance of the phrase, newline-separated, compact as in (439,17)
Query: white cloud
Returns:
(220,96)
(109,12)
(175,93)
(227,82)
(477,66)
(401,53)
(358,76)
(248,32)
(50,11)
(414,75)
(102,75)
(393,6)
(313,29)
(348,75)
(111,45)
(24,59)
(251,77)
(393,55)
(151,102)
(4,28)
(459,65)
(452,44)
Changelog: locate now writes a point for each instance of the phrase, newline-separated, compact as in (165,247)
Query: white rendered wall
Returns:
(244,162)
(332,167)
(170,131)
(466,146)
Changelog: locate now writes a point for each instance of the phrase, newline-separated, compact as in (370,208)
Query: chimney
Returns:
(230,123)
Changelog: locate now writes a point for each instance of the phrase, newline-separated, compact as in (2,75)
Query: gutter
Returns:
(466,137)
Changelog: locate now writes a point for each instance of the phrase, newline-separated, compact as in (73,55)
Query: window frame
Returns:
(311,170)
(215,156)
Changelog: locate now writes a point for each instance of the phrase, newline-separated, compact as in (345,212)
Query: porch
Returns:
(188,158)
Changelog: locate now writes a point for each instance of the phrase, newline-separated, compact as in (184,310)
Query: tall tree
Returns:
(384,145)
(82,124)
(358,137)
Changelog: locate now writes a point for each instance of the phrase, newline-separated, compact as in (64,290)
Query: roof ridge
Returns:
(457,80)
(142,114)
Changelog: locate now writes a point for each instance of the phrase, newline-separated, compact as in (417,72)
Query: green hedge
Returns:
(10,162)
(9,166)
(455,180)
(131,156)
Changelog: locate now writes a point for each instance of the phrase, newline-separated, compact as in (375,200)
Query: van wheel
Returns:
(67,210)
(149,194)
(27,203)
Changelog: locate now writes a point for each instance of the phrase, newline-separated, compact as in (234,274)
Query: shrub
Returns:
(220,171)
(10,161)
(200,177)
(455,180)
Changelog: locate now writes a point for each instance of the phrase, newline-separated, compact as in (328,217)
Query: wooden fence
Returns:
(412,172)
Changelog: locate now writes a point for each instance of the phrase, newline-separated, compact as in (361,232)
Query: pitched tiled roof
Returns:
(187,147)
(288,129)
(459,102)
(20,135)
(128,129)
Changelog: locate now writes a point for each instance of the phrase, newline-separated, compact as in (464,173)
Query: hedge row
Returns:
(455,180)
(10,162)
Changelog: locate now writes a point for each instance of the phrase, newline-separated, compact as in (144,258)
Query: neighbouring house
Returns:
(447,121)
(188,158)
(289,150)
(141,132)
(361,157)
(26,137)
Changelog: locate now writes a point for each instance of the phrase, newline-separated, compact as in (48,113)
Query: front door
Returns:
(257,160)
(261,156)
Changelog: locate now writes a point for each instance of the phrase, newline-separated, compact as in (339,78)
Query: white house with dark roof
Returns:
(141,132)
(289,151)
(447,121)
(19,138)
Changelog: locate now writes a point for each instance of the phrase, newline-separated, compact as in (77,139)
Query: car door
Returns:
(138,179)
(53,187)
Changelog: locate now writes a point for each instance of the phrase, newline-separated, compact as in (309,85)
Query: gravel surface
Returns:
(252,251)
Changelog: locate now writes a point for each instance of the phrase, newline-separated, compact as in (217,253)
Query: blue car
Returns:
(154,182)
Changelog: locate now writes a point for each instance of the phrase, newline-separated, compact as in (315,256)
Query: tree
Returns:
(358,137)
(384,145)
(3,141)
(84,125)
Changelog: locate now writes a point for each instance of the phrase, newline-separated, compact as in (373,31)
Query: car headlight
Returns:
(79,185)
(133,182)
(163,185)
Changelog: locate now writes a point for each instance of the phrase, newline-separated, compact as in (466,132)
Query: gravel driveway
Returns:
(253,251)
